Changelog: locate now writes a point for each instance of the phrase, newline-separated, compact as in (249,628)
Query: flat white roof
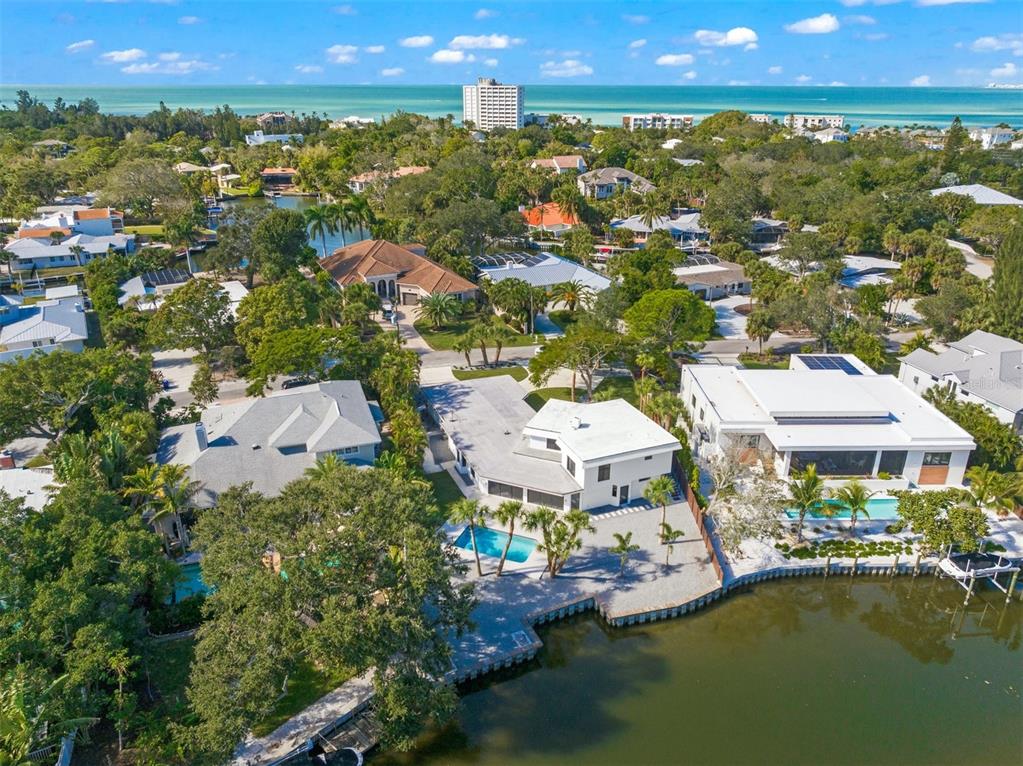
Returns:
(867,411)
(30,486)
(597,430)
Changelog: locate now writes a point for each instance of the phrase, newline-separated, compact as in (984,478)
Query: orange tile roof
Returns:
(375,257)
(42,233)
(95,214)
(552,216)
(278,171)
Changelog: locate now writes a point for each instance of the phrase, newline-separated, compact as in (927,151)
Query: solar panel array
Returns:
(829,363)
(701,259)
(509,259)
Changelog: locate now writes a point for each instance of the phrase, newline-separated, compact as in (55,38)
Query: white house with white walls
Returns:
(830,410)
(567,455)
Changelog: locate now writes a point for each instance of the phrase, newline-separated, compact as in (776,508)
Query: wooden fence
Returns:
(701,525)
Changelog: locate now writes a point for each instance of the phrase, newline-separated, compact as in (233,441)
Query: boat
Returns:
(968,565)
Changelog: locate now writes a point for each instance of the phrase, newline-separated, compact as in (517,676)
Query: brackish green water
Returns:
(795,672)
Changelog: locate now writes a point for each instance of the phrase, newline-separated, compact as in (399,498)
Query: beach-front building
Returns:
(829,410)
(604,182)
(989,138)
(271,441)
(489,104)
(45,326)
(657,121)
(982,195)
(830,135)
(395,272)
(562,164)
(982,368)
(813,121)
(761,118)
(539,270)
(567,455)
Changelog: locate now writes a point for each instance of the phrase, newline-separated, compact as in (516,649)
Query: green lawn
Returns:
(305,685)
(445,490)
(766,362)
(147,230)
(621,386)
(519,373)
(444,338)
(537,399)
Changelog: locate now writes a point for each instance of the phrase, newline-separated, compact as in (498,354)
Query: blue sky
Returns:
(766,42)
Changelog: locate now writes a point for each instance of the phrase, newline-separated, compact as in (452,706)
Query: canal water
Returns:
(334,241)
(805,671)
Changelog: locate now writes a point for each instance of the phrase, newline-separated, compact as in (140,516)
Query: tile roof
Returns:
(552,216)
(375,257)
(43,232)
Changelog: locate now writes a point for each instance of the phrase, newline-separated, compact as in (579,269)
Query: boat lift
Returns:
(967,568)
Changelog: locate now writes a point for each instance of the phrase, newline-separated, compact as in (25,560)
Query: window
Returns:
(833,463)
(649,457)
(694,400)
(614,490)
(916,380)
(937,458)
(892,462)
(570,465)
(644,479)
(604,472)
(701,413)
(552,444)
(346,451)
(504,490)
(536,497)
(575,501)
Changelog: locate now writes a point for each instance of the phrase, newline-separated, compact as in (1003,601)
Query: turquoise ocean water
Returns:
(604,104)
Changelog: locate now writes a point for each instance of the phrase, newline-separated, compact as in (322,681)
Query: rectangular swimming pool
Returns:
(491,542)
(879,508)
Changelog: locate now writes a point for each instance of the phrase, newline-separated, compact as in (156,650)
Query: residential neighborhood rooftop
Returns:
(982,195)
(539,270)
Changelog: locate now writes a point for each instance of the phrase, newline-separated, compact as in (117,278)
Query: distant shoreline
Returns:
(603,104)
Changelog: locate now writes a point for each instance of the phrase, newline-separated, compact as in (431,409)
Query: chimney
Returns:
(6,460)
(200,436)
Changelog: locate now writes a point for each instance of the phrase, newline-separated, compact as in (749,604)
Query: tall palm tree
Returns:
(660,491)
(439,308)
(76,251)
(807,490)
(330,466)
(464,344)
(854,496)
(481,332)
(361,214)
(572,293)
(178,491)
(568,200)
(341,212)
(321,221)
(651,209)
(507,513)
(500,334)
(623,548)
(469,512)
(668,536)
(990,489)
(665,407)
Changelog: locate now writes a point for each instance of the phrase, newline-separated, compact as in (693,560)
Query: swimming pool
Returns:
(190,583)
(491,542)
(879,509)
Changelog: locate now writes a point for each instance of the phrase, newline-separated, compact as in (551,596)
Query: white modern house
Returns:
(489,104)
(657,121)
(45,326)
(271,441)
(830,135)
(828,410)
(989,138)
(813,121)
(982,368)
(568,455)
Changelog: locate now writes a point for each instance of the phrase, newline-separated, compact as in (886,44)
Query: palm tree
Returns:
(361,214)
(660,491)
(481,331)
(623,548)
(466,511)
(568,200)
(178,491)
(651,209)
(24,714)
(760,325)
(854,496)
(507,513)
(668,536)
(807,490)
(665,408)
(990,489)
(76,251)
(321,220)
(439,308)
(572,293)
(500,333)
(327,467)
(464,344)
(392,461)
(341,214)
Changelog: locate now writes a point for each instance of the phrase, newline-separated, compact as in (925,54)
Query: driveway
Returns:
(430,358)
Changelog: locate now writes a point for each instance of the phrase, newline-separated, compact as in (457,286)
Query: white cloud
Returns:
(394,71)
(734,36)
(176,67)
(81,45)
(837,84)
(750,47)
(636,44)
(341,54)
(121,57)
(344,10)
(566,68)
(170,56)
(803,78)
(308,69)
(1007,42)
(635,19)
(926,3)
(485,42)
(815,25)
(484,13)
(189,20)
(374,49)
(860,19)
(1008,69)
(923,81)
(775,70)
(490,62)
(416,41)
(690,75)
(674,59)
(447,56)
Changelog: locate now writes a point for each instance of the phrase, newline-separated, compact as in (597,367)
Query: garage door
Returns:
(409,299)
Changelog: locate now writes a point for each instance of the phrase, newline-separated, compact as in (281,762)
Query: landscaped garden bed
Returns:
(844,549)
